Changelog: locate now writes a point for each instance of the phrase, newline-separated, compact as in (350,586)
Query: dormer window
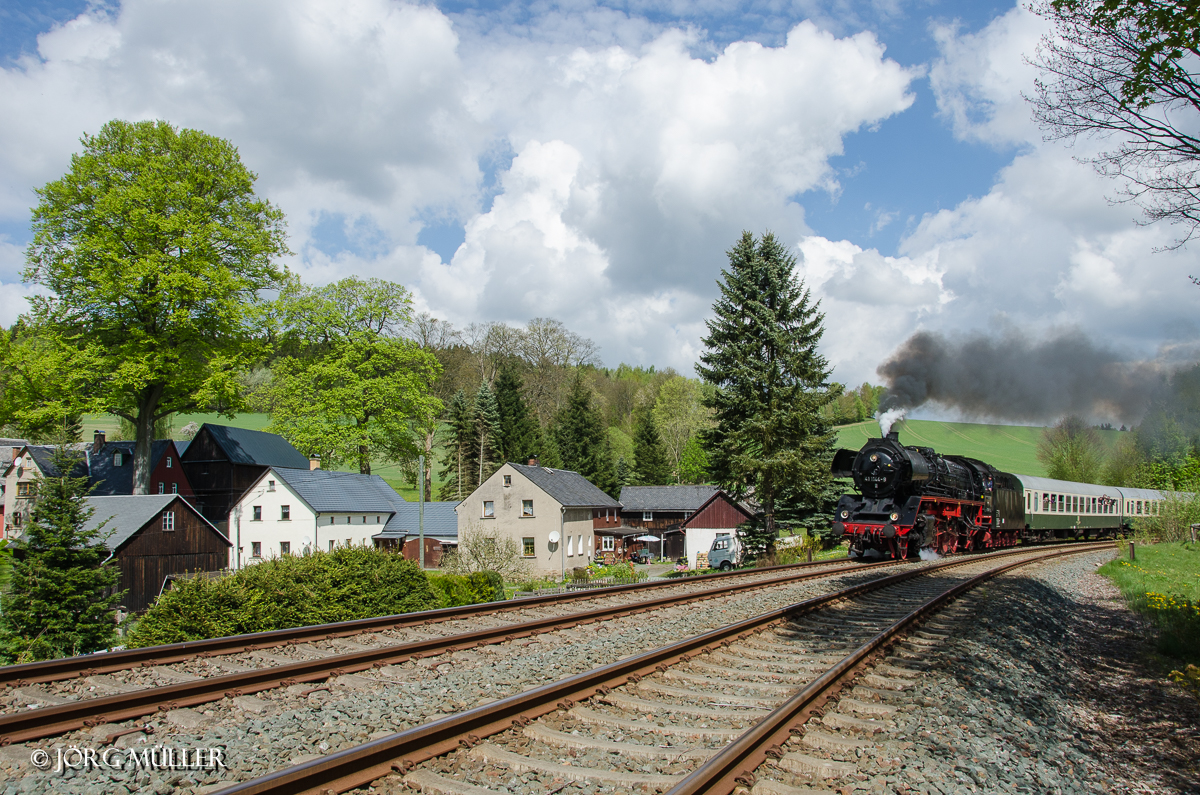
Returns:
(118,459)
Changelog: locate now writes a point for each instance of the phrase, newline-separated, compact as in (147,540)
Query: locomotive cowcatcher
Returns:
(912,499)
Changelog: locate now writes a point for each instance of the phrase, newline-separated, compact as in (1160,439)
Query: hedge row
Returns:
(302,590)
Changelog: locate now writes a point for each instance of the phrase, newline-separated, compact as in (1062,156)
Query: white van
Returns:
(725,553)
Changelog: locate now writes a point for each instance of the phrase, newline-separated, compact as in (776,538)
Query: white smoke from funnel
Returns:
(888,418)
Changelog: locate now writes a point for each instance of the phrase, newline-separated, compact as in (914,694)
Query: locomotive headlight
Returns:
(874,456)
(845,513)
(894,516)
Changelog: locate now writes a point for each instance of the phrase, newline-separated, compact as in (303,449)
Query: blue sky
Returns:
(591,161)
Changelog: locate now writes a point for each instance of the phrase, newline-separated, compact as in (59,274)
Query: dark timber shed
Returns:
(154,536)
(222,462)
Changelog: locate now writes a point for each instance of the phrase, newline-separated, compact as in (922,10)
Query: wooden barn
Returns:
(685,519)
(154,536)
(222,462)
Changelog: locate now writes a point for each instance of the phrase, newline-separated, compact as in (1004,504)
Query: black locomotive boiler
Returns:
(912,499)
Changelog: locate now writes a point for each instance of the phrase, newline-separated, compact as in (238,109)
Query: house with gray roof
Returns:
(403,532)
(152,538)
(287,511)
(550,513)
(685,519)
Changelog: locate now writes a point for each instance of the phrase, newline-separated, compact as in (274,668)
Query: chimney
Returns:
(97,442)
(314,462)
(533,462)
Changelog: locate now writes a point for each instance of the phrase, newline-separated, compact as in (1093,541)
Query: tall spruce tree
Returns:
(770,441)
(520,437)
(582,443)
(61,598)
(487,432)
(650,467)
(458,462)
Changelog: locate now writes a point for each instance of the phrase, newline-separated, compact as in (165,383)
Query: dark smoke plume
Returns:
(1009,376)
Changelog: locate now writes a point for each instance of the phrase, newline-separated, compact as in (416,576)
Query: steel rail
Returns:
(92,664)
(359,766)
(735,764)
(49,721)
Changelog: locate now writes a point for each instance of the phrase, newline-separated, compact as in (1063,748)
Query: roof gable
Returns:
(666,498)
(108,479)
(328,491)
(43,458)
(126,514)
(568,488)
(254,448)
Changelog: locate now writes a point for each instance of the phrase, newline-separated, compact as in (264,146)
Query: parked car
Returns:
(725,553)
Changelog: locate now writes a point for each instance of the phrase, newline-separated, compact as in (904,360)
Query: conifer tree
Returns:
(519,437)
(487,432)
(582,443)
(770,440)
(650,467)
(61,597)
(458,463)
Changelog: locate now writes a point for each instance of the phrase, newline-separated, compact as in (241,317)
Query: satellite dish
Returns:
(554,536)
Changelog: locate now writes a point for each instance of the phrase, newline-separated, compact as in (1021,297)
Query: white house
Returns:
(287,511)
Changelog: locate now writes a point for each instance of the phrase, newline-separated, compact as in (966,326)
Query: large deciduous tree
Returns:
(355,384)
(1128,71)
(1072,450)
(154,250)
(769,440)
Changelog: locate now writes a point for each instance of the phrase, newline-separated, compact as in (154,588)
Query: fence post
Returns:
(1131,553)
(810,548)
(1194,532)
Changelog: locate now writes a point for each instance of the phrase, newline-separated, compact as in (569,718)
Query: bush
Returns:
(454,590)
(293,591)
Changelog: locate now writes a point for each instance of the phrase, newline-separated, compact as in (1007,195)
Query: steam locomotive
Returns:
(912,499)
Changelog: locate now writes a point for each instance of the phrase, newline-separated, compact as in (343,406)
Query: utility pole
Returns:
(421,506)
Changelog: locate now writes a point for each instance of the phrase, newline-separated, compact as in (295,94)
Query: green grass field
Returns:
(1009,448)
(1163,584)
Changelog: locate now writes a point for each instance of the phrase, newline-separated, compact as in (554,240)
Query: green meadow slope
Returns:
(1010,448)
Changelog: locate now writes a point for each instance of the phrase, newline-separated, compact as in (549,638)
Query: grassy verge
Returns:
(1163,584)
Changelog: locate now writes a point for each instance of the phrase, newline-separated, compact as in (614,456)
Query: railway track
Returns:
(96,664)
(699,715)
(319,665)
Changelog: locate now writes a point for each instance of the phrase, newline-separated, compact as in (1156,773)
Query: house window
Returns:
(527,507)
(285,513)
(16,520)
(162,487)
(285,548)
(174,488)
(378,520)
(607,543)
(256,549)
(168,521)
(168,462)
(24,489)
(330,546)
(349,542)
(118,459)
(489,509)
(349,519)
(257,513)
(507,480)
(647,516)
(270,485)
(528,548)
